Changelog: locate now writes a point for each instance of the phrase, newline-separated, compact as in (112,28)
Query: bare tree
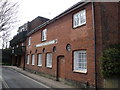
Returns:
(5,38)
(8,18)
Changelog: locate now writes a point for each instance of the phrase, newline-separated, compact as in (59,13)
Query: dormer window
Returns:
(44,35)
(79,19)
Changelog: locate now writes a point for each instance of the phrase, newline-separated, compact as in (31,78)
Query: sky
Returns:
(30,9)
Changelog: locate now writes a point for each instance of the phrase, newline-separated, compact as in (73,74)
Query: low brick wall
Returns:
(41,74)
(112,83)
(66,81)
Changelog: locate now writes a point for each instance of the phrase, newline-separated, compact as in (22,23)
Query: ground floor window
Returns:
(49,60)
(80,61)
(33,59)
(39,59)
(28,59)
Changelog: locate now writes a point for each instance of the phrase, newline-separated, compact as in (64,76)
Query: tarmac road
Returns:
(14,79)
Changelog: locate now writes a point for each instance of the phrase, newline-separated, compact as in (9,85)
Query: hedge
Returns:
(110,62)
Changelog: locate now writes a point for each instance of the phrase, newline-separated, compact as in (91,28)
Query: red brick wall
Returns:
(79,38)
(22,61)
(107,32)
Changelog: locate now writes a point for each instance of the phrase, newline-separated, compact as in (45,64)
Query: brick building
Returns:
(18,43)
(68,47)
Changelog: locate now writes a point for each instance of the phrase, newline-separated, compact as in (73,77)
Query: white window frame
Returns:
(29,41)
(44,35)
(79,18)
(12,51)
(17,46)
(33,59)
(39,59)
(22,44)
(49,60)
(80,61)
(28,59)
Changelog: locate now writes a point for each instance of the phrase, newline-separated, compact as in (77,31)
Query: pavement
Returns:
(49,82)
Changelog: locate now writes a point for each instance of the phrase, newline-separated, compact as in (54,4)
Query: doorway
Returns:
(60,68)
(19,61)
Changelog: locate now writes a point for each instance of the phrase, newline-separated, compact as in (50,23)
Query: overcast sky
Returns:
(30,9)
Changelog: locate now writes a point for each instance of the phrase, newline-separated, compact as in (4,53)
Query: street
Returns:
(13,79)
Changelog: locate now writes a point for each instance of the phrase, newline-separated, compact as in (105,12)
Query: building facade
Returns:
(18,43)
(68,47)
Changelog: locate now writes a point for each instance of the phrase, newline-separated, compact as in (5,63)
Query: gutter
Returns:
(94,33)
(74,7)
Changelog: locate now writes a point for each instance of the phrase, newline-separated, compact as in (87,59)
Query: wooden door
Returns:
(61,67)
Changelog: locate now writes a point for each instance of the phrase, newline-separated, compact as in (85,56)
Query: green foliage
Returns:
(110,61)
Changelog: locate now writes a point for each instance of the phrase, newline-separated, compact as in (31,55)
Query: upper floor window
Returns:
(29,41)
(49,60)
(79,19)
(80,61)
(44,35)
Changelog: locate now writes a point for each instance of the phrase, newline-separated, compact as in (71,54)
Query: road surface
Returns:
(14,79)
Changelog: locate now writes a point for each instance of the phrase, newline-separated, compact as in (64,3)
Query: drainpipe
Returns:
(24,58)
(93,17)
(24,62)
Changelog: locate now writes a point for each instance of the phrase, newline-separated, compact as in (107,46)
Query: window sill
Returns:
(80,71)
(74,27)
(43,40)
(39,65)
(49,67)
(32,64)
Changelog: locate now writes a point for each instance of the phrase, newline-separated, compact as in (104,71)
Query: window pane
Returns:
(80,62)
(44,35)
(28,59)
(75,60)
(29,40)
(39,59)
(83,17)
(49,60)
(33,59)
(79,18)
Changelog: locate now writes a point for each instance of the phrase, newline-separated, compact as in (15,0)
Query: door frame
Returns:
(57,72)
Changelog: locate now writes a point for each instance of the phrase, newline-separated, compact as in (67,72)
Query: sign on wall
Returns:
(47,43)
